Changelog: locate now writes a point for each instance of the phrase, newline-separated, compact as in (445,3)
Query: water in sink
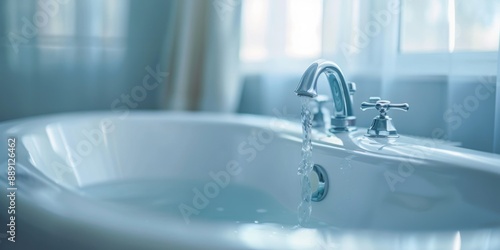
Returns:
(234,204)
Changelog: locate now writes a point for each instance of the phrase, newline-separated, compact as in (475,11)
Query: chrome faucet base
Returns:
(382,127)
(342,124)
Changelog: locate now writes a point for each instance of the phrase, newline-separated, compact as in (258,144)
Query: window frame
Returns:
(457,63)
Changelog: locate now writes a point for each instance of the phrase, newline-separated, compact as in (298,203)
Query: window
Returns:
(449,25)
(52,29)
(448,37)
(281,29)
(255,19)
(426,37)
(52,22)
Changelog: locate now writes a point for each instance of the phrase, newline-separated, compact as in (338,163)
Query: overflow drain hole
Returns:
(319,183)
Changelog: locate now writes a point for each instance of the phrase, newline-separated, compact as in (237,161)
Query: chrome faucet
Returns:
(342,118)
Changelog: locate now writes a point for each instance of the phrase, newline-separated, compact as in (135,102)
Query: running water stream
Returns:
(306,164)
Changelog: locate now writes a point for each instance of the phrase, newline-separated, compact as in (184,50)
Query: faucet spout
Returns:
(342,118)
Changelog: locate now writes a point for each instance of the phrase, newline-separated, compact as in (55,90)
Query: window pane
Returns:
(303,34)
(424,26)
(477,25)
(254,29)
(450,25)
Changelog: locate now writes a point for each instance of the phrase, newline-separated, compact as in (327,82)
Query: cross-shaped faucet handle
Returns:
(383,105)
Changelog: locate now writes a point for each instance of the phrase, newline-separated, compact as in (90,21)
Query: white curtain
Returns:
(202,56)
(496,145)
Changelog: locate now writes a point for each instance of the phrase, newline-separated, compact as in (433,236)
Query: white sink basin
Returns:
(159,180)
